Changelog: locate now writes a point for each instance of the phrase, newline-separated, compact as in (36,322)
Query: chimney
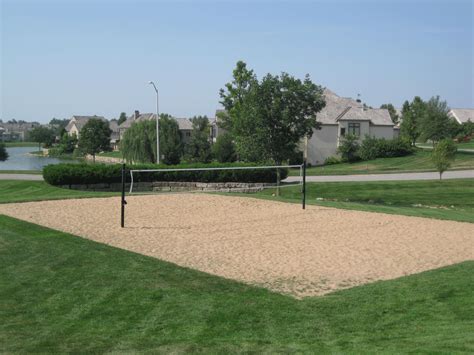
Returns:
(137,114)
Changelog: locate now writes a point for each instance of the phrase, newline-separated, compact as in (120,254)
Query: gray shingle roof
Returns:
(462,115)
(346,109)
(80,121)
(184,124)
(141,117)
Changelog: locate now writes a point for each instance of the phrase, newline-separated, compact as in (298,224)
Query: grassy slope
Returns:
(420,161)
(61,293)
(21,191)
(449,199)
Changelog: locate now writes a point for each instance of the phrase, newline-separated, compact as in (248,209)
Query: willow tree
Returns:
(138,144)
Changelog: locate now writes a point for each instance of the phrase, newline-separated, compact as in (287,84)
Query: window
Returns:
(343,131)
(354,128)
(188,134)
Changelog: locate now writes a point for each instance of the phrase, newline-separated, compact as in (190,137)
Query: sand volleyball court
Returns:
(272,244)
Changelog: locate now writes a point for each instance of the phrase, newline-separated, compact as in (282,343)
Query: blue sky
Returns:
(60,58)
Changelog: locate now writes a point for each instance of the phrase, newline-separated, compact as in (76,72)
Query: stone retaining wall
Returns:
(171,186)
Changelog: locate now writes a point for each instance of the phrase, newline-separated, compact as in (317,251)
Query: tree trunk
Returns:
(93,158)
(440,173)
(39,146)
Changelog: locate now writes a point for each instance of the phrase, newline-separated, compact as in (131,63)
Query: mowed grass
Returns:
(448,199)
(22,191)
(64,294)
(417,162)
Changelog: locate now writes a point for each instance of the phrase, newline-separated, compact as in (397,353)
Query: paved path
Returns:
(36,177)
(459,174)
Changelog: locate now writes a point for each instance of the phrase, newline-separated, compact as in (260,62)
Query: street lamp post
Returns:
(157,125)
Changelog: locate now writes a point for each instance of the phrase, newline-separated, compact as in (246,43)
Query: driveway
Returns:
(457,174)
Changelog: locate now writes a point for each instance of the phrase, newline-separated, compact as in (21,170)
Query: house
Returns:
(462,115)
(77,122)
(185,125)
(216,130)
(185,129)
(16,130)
(115,135)
(136,117)
(342,116)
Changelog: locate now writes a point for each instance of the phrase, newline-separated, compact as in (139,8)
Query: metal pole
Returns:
(123,202)
(157,130)
(305,157)
(157,124)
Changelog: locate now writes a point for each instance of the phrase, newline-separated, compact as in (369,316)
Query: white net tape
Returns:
(250,187)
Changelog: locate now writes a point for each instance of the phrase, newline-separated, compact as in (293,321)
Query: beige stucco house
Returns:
(343,116)
(77,122)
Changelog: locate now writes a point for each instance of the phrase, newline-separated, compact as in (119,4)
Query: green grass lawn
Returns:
(448,199)
(420,161)
(112,154)
(22,191)
(466,145)
(21,144)
(63,294)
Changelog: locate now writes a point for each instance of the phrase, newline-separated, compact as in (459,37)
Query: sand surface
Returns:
(271,244)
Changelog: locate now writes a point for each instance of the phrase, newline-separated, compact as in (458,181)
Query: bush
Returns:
(389,148)
(223,149)
(332,160)
(349,148)
(296,158)
(71,174)
(369,148)
(372,148)
(3,152)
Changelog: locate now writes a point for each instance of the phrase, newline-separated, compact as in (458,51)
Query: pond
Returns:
(19,159)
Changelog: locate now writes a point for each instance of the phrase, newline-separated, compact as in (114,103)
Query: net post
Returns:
(122,200)
(304,184)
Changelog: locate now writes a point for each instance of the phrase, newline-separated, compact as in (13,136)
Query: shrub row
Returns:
(371,148)
(87,173)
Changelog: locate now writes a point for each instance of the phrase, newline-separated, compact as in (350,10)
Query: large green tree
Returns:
(393,113)
(435,123)
(412,114)
(268,118)
(198,149)
(95,137)
(138,144)
(42,135)
(122,118)
(171,148)
(223,150)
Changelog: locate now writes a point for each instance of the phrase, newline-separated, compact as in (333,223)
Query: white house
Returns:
(462,115)
(343,116)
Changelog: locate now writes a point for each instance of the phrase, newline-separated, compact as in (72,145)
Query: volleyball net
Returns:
(224,179)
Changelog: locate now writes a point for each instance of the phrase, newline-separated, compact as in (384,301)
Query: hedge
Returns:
(88,173)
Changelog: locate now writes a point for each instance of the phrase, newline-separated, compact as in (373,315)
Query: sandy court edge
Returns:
(260,242)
